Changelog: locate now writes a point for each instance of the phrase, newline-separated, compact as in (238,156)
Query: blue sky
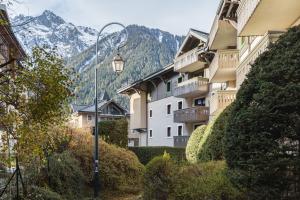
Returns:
(175,16)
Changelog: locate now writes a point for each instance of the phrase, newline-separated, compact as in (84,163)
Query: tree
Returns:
(262,136)
(35,101)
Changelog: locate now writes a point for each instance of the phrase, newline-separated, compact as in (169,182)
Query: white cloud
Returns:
(175,16)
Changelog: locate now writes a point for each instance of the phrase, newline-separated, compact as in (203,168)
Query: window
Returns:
(199,102)
(169,132)
(169,109)
(179,105)
(169,86)
(150,133)
(179,131)
(89,117)
(179,80)
(150,113)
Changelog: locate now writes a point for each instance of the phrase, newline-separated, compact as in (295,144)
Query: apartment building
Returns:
(166,106)
(209,69)
(261,22)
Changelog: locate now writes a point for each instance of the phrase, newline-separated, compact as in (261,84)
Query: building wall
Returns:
(160,121)
(138,111)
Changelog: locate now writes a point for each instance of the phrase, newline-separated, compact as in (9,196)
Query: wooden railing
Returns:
(244,12)
(245,65)
(221,99)
(193,85)
(195,114)
(224,59)
(186,59)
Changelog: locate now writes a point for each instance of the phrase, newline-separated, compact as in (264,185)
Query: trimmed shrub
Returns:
(158,178)
(262,135)
(145,154)
(120,169)
(204,181)
(192,147)
(114,132)
(213,147)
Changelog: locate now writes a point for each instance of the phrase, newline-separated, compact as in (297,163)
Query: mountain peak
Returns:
(48,18)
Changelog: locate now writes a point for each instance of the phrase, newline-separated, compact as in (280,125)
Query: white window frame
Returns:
(181,130)
(88,117)
(169,104)
(167,86)
(178,105)
(170,132)
(151,131)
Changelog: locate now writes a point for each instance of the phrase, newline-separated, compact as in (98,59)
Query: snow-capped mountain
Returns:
(50,29)
(147,50)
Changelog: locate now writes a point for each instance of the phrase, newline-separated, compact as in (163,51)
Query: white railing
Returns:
(192,85)
(245,66)
(213,30)
(224,59)
(221,99)
(244,12)
(186,59)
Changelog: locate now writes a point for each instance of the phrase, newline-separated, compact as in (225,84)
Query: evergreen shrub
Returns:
(262,135)
(114,131)
(193,145)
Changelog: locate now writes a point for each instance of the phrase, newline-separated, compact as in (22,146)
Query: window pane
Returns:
(180,105)
(169,109)
(169,132)
(199,102)
(179,80)
(150,113)
(179,130)
(168,86)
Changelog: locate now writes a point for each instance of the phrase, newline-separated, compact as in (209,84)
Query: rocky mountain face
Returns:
(146,51)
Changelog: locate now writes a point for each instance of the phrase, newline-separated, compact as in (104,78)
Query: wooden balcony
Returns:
(223,31)
(190,115)
(193,87)
(252,53)
(256,17)
(220,100)
(188,62)
(223,66)
(181,141)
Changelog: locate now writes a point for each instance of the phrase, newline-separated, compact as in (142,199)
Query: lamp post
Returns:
(118,66)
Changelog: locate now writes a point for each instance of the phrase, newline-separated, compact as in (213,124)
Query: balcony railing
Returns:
(181,141)
(221,99)
(255,51)
(195,114)
(244,12)
(224,61)
(186,59)
(191,87)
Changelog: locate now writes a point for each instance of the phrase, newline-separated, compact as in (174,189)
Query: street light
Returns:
(118,66)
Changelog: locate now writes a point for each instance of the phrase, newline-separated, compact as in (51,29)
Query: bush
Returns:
(66,177)
(204,181)
(158,178)
(262,135)
(114,132)
(145,154)
(120,169)
(192,147)
(40,193)
(213,147)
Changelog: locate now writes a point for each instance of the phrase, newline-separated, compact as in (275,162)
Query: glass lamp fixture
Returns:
(118,64)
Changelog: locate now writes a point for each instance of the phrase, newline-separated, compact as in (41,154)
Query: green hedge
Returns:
(213,148)
(114,132)
(145,154)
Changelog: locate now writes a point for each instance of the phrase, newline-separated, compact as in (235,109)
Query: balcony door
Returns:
(199,102)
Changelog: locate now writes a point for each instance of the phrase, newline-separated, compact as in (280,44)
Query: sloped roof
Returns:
(202,36)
